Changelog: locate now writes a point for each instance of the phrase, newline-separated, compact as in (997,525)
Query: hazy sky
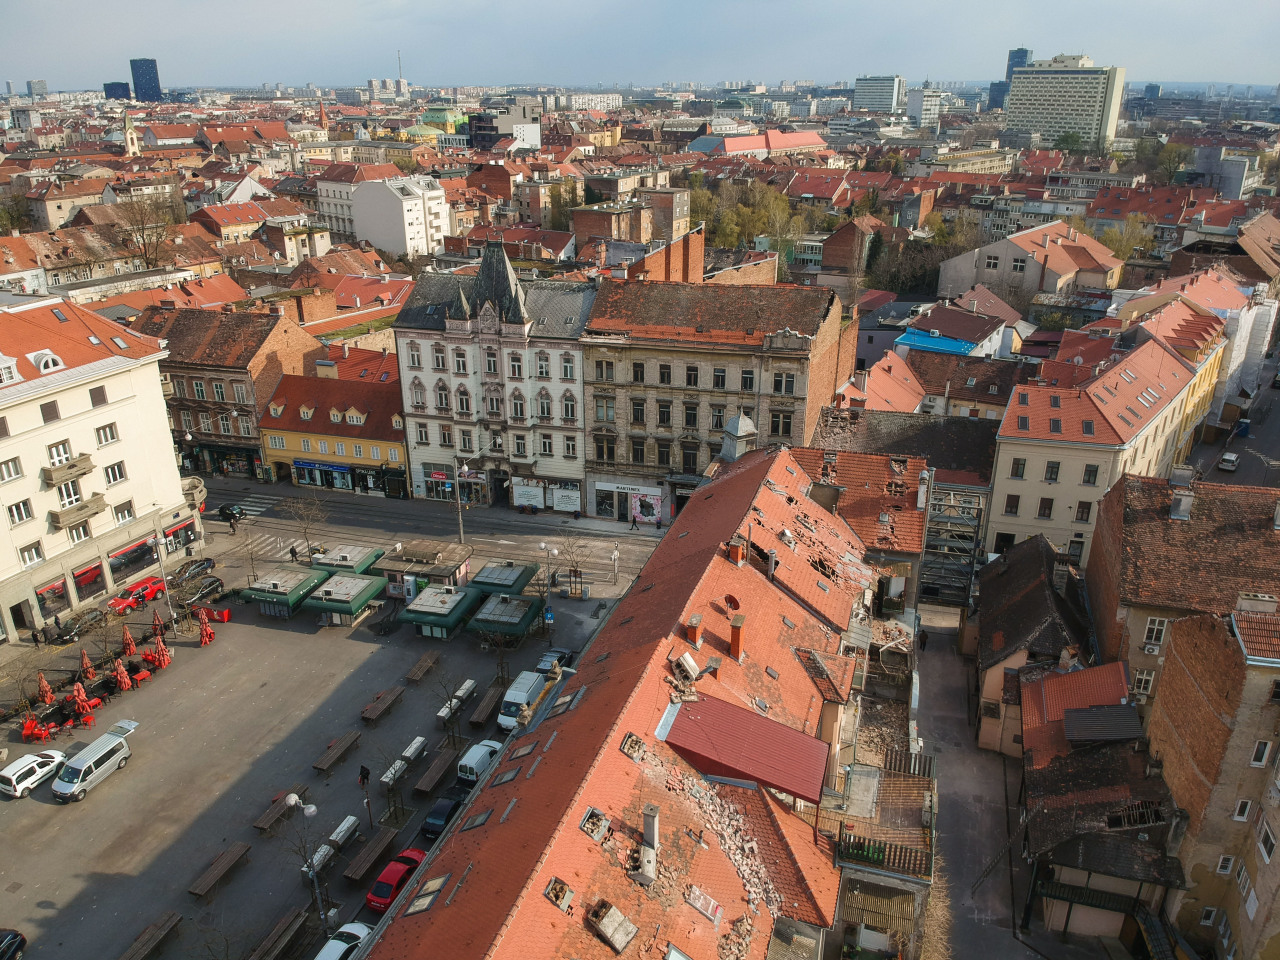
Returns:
(344,42)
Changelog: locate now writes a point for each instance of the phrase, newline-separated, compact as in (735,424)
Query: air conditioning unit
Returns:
(1139,698)
(1151,649)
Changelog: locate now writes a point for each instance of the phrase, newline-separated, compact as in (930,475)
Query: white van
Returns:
(477,762)
(88,768)
(19,777)
(523,692)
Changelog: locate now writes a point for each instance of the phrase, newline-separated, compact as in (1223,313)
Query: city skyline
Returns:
(654,49)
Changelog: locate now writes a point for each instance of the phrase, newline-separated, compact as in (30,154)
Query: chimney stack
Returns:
(773,562)
(735,636)
(346,351)
(693,631)
(735,553)
(651,826)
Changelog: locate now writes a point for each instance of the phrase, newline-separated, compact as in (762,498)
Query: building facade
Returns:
(87,471)
(146,81)
(335,193)
(407,216)
(1066,95)
(880,94)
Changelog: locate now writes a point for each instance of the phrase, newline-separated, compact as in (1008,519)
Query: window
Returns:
(393,454)
(415,355)
(545,445)
(570,446)
(275,442)
(1051,471)
(718,378)
(1142,680)
(240,393)
(197,387)
(517,407)
(495,407)
(68,493)
(180,389)
(544,405)
(1225,864)
(717,418)
(464,402)
(1243,880)
(604,409)
(495,441)
(79,532)
(187,422)
(516,365)
(1046,508)
(569,407)
(246,427)
(664,453)
(306,445)
(490,362)
(224,423)
(49,412)
(59,453)
(993,262)
(566,368)
(206,422)
(1024,423)
(604,370)
(1083,509)
(464,441)
(20,512)
(335,416)
(1155,630)
(375,452)
(1266,841)
(1090,475)
(424,433)
(1055,425)
(324,446)
(219,391)
(1023,399)
(1018,469)
(691,415)
(1242,810)
(637,372)
(446,439)
(637,451)
(664,413)
(1261,749)
(97,396)
(784,383)
(1019,264)
(779,424)
(544,367)
(1011,503)
(1207,916)
(437,358)
(442,396)
(124,512)
(604,449)
(689,458)
(459,362)
(1086,427)
(518,441)
(664,373)
(748,379)
(31,554)
(690,376)
(637,411)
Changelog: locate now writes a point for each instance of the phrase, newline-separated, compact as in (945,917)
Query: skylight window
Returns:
(62,317)
(120,343)
(478,820)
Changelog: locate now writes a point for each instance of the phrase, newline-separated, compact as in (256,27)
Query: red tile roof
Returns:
(957,323)
(889,384)
(1045,701)
(358,172)
(378,403)
(31,328)
(359,292)
(204,292)
(1067,250)
(1259,632)
(879,496)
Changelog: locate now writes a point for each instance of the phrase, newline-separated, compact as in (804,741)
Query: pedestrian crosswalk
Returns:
(257,503)
(266,546)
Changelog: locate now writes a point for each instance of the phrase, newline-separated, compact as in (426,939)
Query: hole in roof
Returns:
(731,601)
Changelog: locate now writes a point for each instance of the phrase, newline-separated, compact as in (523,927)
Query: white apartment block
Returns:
(87,468)
(924,107)
(882,94)
(595,101)
(407,216)
(1067,94)
(335,193)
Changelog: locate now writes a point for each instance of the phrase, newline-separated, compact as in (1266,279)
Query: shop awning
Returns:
(504,576)
(172,530)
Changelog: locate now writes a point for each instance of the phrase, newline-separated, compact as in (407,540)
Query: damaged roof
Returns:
(1018,608)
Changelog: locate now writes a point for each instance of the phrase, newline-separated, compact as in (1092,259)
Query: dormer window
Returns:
(397,423)
(355,419)
(277,409)
(305,412)
(335,416)
(8,370)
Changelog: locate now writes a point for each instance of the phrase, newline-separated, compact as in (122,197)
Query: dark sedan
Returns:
(191,569)
(80,624)
(231,511)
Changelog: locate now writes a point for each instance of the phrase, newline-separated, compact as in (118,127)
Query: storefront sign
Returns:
(526,496)
(439,475)
(335,467)
(628,488)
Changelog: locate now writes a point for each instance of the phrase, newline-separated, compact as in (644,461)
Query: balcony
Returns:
(77,512)
(71,470)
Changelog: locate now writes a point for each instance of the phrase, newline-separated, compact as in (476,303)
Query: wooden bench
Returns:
(373,850)
(381,704)
(281,935)
(337,750)
(150,938)
(218,869)
(424,666)
(486,706)
(279,808)
(442,764)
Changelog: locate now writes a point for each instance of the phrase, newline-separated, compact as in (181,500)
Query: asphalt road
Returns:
(1259,452)
(227,727)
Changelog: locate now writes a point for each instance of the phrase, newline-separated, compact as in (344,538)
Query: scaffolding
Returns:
(953,540)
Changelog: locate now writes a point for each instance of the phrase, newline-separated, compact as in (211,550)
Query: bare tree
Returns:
(575,552)
(445,685)
(145,220)
(308,512)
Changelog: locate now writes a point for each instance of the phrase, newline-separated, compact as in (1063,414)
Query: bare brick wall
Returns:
(763,272)
(1102,575)
(825,369)
(289,349)
(680,260)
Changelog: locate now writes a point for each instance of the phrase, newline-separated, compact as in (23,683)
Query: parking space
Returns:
(223,732)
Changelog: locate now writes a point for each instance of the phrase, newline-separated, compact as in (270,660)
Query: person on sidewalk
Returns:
(293,552)
(635,521)
(924,638)
(35,637)
(232,525)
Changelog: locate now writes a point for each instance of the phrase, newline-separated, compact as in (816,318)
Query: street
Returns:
(1259,452)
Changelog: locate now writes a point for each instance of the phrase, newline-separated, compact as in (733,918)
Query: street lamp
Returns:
(310,810)
(154,543)
(614,557)
(458,463)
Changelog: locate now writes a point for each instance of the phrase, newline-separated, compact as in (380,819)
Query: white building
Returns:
(1067,94)
(335,190)
(595,101)
(87,467)
(407,216)
(882,94)
(924,106)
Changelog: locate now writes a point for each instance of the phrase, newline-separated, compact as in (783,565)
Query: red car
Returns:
(393,878)
(136,594)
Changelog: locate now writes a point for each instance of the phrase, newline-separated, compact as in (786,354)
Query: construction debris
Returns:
(882,726)
(735,943)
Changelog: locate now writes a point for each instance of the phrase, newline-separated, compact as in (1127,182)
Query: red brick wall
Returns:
(1204,672)
(826,363)
(289,349)
(837,249)
(680,260)
(494,179)
(749,274)
(1102,575)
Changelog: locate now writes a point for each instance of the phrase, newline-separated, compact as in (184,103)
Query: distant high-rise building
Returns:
(37,88)
(997,93)
(882,94)
(1152,91)
(924,106)
(8,88)
(1019,57)
(146,81)
(115,90)
(1066,95)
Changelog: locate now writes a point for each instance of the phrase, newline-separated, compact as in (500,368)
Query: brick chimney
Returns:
(736,626)
(693,630)
(736,553)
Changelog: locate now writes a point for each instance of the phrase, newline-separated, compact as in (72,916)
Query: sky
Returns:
(490,42)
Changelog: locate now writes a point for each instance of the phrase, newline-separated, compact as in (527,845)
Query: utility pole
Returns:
(457,495)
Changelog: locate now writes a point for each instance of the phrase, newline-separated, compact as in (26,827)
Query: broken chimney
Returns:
(693,630)
(736,626)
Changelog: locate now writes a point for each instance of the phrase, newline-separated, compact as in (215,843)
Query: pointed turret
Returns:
(132,148)
(324,119)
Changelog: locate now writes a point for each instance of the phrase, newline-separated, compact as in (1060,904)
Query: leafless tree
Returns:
(145,220)
(445,685)
(308,512)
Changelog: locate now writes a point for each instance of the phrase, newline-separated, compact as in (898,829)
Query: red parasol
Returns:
(204,617)
(130,648)
(123,682)
(157,625)
(86,667)
(79,699)
(163,656)
(45,694)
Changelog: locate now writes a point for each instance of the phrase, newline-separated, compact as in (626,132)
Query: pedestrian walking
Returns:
(35,637)
(232,525)
(293,552)
(924,638)
(635,521)
(57,623)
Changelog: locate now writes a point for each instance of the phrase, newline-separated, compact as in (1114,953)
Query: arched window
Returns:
(415,354)
(442,395)
(464,400)
(544,403)
(569,406)
(517,405)
(419,393)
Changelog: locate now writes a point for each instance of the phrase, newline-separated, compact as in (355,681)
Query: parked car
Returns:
(1275,382)
(393,878)
(231,511)
(79,624)
(553,656)
(206,588)
(19,777)
(1229,461)
(440,816)
(191,569)
(136,594)
(12,943)
(142,554)
(345,942)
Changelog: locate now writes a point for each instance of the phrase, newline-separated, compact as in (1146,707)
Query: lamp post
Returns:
(154,543)
(551,553)
(458,463)
(310,810)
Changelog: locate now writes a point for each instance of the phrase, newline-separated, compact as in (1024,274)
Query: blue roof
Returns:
(921,340)
(705,144)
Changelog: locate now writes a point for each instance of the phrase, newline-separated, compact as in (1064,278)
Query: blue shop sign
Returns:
(335,467)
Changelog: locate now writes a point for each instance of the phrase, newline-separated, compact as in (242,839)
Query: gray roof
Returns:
(962,449)
(1108,722)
